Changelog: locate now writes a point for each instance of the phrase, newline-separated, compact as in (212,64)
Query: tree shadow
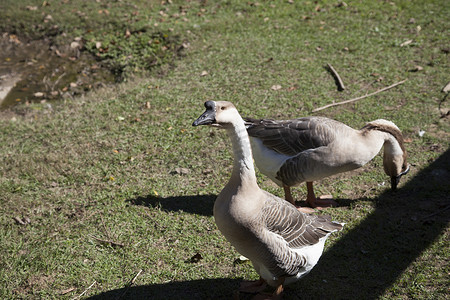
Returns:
(195,204)
(217,288)
(369,259)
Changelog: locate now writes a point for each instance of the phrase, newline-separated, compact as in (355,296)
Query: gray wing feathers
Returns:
(293,230)
(296,228)
(291,137)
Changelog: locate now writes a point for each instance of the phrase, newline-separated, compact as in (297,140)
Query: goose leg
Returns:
(288,197)
(315,202)
(279,290)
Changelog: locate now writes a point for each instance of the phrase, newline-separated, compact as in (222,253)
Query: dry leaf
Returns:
(416,69)
(204,73)
(39,94)
(406,43)
(22,221)
(276,87)
(446,88)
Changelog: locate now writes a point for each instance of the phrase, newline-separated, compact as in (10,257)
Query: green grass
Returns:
(104,166)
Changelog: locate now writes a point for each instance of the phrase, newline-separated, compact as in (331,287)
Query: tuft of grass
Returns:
(105,165)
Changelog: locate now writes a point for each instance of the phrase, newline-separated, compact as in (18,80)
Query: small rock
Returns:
(181,171)
(74,45)
(39,94)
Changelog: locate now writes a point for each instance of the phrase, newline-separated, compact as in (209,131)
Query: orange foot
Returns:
(321,202)
(305,209)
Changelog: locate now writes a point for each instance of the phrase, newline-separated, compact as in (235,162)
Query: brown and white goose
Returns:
(307,149)
(283,243)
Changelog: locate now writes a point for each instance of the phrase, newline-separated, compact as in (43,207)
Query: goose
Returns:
(290,152)
(282,243)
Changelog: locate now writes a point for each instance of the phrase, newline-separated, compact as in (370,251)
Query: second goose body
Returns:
(307,149)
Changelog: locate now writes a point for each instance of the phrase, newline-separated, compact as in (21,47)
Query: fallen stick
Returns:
(359,98)
(112,243)
(340,83)
(130,284)
(436,213)
(80,295)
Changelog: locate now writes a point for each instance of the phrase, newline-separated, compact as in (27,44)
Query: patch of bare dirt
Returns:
(37,71)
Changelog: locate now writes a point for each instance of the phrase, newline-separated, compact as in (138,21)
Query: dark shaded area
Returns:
(200,204)
(370,258)
(219,288)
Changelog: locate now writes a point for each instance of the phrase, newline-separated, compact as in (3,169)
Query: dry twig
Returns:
(130,284)
(80,295)
(340,83)
(112,243)
(359,98)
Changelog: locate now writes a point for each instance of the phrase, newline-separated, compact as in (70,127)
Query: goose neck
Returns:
(243,159)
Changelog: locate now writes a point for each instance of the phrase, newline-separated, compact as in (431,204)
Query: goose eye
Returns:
(223,108)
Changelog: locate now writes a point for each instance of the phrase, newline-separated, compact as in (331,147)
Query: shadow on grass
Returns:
(200,204)
(218,288)
(369,259)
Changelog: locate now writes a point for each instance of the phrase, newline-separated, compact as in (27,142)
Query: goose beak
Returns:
(396,179)
(394,182)
(209,116)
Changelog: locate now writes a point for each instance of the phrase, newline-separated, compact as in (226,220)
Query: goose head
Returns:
(394,158)
(395,166)
(218,114)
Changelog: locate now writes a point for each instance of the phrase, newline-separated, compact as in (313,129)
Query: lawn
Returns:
(110,194)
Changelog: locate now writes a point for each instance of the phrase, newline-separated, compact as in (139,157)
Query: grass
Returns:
(105,165)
